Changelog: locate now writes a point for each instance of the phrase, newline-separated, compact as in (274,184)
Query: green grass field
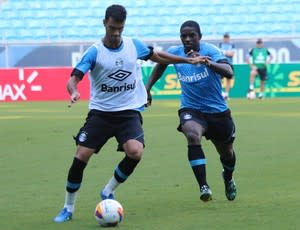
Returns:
(37,149)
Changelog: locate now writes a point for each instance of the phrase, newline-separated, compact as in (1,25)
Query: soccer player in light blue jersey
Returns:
(117,97)
(203,110)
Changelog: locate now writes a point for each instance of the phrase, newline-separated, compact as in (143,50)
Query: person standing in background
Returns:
(228,50)
(258,59)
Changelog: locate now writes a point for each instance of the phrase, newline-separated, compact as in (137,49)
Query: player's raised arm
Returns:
(166,58)
(220,67)
(224,69)
(86,63)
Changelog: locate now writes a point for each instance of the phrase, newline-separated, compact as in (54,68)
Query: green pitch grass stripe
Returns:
(259,114)
(11,117)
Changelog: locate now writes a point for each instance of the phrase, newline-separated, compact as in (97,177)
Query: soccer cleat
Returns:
(260,96)
(205,193)
(63,216)
(104,197)
(230,188)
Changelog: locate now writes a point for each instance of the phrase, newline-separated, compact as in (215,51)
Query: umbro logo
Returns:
(120,75)
(82,137)
(187,116)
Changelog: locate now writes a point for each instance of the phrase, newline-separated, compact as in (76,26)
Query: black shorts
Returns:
(101,126)
(218,126)
(262,73)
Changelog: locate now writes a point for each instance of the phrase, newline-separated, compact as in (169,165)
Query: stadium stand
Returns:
(68,20)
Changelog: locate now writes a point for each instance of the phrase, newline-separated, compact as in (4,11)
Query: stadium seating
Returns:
(68,20)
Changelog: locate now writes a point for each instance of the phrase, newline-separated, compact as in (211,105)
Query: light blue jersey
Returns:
(115,79)
(227,47)
(201,87)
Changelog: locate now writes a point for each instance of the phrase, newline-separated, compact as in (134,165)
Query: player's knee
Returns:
(134,150)
(135,153)
(227,153)
(84,153)
(192,138)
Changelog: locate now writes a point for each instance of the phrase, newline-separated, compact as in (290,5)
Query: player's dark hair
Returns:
(117,12)
(226,35)
(192,24)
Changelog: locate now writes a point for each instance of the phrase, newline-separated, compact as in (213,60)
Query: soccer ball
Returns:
(251,95)
(109,213)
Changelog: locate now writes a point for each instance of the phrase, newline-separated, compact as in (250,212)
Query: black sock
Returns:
(197,161)
(228,166)
(75,175)
(125,168)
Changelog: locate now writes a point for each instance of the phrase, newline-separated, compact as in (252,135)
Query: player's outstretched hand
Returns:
(196,58)
(74,98)
(199,60)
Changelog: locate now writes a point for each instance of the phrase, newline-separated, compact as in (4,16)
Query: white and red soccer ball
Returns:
(251,95)
(109,213)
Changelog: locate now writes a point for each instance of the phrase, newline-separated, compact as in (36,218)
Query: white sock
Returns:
(110,186)
(70,201)
(251,87)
